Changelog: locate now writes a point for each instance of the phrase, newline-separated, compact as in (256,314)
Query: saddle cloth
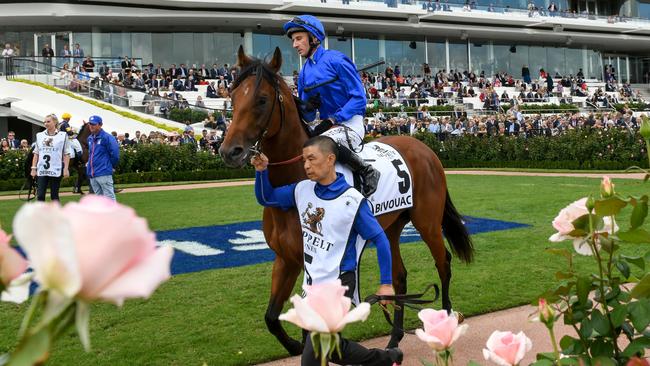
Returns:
(395,190)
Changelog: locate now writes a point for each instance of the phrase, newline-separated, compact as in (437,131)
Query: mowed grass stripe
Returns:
(217,316)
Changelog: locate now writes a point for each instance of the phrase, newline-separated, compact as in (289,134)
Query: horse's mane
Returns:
(263,71)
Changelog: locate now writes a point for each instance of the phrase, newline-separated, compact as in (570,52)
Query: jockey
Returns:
(343,104)
(75,144)
(65,123)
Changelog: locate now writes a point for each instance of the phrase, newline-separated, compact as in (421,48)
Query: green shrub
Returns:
(620,107)
(576,149)
(11,164)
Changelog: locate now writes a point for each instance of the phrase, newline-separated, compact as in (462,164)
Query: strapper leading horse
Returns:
(266,115)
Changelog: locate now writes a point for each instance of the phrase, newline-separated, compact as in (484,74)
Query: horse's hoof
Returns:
(461,317)
(294,348)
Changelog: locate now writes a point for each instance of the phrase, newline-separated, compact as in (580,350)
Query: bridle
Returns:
(258,68)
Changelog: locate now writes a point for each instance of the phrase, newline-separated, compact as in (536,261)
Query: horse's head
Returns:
(255,95)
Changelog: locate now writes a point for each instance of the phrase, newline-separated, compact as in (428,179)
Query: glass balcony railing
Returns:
(462,5)
(184,107)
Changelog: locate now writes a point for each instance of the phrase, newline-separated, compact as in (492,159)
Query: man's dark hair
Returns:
(325,144)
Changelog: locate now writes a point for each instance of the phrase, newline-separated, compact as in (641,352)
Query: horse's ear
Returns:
(242,59)
(276,61)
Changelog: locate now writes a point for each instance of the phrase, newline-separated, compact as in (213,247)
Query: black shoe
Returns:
(396,355)
(370,177)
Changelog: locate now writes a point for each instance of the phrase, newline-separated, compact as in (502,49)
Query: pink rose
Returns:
(325,309)
(440,328)
(563,223)
(545,313)
(94,249)
(12,264)
(506,348)
(606,187)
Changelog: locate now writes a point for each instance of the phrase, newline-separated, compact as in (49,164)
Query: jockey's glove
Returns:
(323,126)
(313,103)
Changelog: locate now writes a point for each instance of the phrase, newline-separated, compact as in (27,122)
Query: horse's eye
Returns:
(261,101)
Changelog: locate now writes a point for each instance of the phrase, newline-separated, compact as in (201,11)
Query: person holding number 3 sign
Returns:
(51,159)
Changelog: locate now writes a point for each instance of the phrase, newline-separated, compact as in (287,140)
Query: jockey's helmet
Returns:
(305,23)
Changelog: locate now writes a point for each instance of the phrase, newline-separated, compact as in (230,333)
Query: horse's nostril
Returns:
(237,152)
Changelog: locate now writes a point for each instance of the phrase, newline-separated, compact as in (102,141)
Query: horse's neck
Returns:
(286,145)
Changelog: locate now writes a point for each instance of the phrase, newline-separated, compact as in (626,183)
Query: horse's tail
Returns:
(456,233)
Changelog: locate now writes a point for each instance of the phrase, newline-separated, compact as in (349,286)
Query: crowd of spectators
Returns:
(392,88)
(161,84)
(513,123)
(11,143)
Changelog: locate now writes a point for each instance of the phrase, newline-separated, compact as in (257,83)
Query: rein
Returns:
(412,301)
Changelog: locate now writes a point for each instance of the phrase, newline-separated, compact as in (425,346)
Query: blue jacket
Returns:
(340,100)
(365,223)
(103,154)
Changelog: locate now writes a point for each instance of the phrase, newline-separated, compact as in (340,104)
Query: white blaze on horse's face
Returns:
(246,91)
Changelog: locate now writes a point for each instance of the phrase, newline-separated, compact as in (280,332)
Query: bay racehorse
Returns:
(78,162)
(265,115)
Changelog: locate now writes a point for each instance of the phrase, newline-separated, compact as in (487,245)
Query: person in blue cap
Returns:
(341,103)
(103,156)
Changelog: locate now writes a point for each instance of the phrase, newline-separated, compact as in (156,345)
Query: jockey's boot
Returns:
(369,175)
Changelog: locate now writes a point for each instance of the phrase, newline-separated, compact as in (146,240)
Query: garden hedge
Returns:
(578,149)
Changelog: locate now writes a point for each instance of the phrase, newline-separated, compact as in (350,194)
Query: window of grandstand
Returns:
(408,55)
(366,51)
(340,43)
(265,44)
(437,53)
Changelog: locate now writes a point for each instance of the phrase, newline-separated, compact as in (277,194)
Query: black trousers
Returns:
(45,181)
(352,353)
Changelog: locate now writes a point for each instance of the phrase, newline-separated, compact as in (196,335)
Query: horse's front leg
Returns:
(282,282)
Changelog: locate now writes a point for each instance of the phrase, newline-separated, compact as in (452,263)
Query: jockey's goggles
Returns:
(307,27)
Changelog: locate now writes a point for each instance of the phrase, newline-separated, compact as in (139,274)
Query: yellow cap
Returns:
(66,115)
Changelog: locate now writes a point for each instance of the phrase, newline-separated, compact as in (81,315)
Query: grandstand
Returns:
(603,41)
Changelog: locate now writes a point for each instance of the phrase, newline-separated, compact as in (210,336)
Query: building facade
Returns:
(488,36)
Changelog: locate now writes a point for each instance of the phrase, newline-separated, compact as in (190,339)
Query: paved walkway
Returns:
(470,345)
(177,187)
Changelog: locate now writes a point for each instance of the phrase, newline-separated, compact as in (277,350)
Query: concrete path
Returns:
(470,345)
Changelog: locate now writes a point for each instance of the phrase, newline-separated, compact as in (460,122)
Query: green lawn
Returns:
(217,316)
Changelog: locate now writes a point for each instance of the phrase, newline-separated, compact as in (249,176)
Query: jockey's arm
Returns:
(308,115)
(367,226)
(270,196)
(356,103)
